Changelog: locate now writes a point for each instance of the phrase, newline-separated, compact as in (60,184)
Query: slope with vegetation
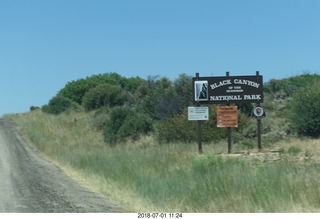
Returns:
(130,139)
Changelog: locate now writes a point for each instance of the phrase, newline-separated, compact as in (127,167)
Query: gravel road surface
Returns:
(30,183)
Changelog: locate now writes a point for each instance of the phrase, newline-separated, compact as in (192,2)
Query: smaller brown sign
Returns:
(227,116)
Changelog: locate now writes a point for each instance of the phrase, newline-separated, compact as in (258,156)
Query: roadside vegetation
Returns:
(137,147)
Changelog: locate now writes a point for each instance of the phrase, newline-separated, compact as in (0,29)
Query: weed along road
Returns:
(30,183)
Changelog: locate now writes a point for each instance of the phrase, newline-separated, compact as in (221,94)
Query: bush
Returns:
(179,129)
(251,130)
(167,105)
(76,90)
(247,144)
(176,129)
(58,105)
(183,87)
(305,111)
(124,123)
(151,95)
(32,108)
(273,136)
(284,88)
(100,118)
(135,125)
(293,150)
(104,95)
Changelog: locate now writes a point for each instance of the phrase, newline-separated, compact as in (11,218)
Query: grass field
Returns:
(145,176)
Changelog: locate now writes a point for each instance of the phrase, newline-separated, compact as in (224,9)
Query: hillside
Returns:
(125,108)
(148,160)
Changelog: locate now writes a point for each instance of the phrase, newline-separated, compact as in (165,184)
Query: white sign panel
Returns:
(198,113)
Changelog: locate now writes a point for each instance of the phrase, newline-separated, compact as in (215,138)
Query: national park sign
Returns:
(228,89)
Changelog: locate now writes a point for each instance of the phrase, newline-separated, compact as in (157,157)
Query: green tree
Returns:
(284,88)
(148,93)
(305,110)
(104,95)
(75,90)
(58,105)
(124,123)
(184,89)
(180,129)
(168,104)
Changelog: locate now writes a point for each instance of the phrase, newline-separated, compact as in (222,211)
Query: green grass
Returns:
(147,176)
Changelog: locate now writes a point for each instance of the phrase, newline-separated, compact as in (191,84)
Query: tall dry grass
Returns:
(147,176)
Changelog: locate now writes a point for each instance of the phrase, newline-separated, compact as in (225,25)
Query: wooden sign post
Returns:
(198,113)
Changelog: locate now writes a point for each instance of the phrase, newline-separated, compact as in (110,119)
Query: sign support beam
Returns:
(229,128)
(259,134)
(199,133)
(229,139)
(199,130)
(258,125)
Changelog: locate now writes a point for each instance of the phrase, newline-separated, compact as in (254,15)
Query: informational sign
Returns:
(258,113)
(228,89)
(198,113)
(227,116)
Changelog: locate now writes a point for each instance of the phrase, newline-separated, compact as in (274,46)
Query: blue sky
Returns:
(46,43)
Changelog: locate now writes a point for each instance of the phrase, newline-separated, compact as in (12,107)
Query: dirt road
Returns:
(30,183)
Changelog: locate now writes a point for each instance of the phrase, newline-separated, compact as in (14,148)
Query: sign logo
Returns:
(201,90)
(258,113)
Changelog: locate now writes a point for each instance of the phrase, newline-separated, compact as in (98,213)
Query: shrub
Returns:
(167,105)
(32,108)
(104,95)
(183,87)
(59,104)
(76,90)
(247,144)
(281,89)
(251,130)
(293,150)
(273,136)
(176,129)
(179,129)
(135,125)
(100,118)
(305,111)
(124,123)
(152,95)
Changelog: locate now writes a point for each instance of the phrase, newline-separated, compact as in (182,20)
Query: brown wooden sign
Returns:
(227,116)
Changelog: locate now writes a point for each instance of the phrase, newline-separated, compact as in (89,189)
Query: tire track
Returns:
(30,183)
